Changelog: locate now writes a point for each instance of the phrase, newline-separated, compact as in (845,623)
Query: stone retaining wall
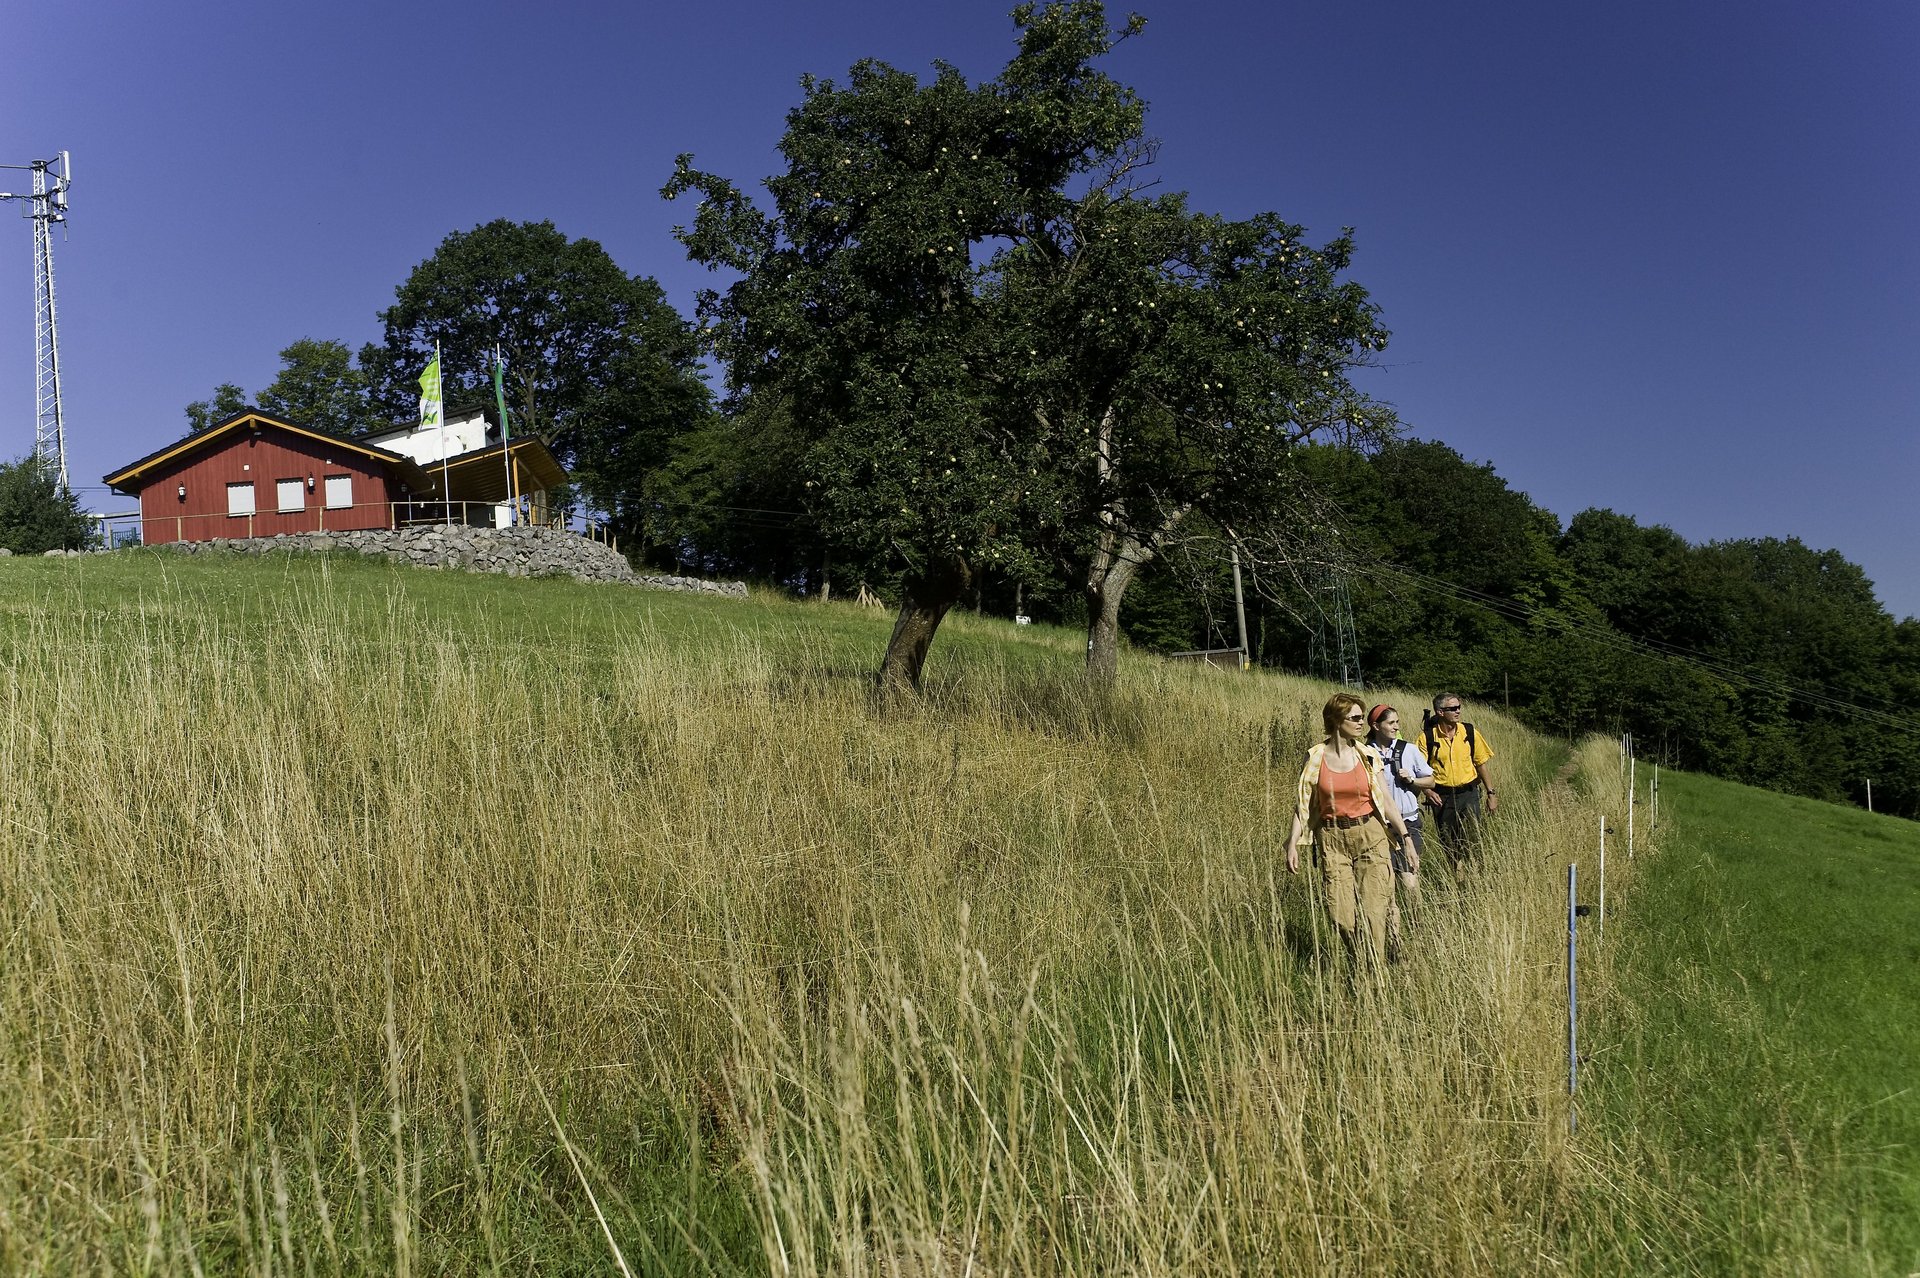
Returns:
(515,552)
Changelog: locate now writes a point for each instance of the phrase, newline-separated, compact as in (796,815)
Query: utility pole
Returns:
(1240,608)
(47,204)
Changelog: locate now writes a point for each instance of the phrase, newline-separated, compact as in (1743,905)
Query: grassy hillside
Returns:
(362,919)
(1765,1047)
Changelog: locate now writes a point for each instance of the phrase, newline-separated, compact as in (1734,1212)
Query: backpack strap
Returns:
(1427,737)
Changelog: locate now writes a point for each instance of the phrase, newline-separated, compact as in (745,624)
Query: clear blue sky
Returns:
(1655,257)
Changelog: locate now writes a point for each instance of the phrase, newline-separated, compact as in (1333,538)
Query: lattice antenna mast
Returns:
(46,205)
(1333,650)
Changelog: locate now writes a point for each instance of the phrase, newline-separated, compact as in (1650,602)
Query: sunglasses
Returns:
(1356,718)
(1449,709)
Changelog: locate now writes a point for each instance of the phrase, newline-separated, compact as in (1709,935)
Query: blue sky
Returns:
(1659,258)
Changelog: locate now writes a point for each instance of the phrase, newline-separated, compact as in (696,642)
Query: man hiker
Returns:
(1458,754)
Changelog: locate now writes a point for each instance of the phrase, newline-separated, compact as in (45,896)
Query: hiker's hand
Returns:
(1293,858)
(1413,856)
(1493,804)
(1436,800)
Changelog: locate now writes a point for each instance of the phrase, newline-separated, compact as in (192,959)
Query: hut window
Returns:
(240,498)
(292,494)
(339,491)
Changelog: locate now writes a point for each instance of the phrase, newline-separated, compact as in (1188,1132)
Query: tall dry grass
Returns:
(340,940)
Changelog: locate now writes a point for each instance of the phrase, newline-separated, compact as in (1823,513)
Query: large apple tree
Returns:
(1002,351)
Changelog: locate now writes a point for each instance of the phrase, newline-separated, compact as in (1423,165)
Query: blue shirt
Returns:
(1414,764)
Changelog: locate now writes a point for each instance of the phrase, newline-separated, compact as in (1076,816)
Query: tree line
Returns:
(1761,659)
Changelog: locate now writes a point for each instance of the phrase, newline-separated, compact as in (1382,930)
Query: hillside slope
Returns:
(1760,1068)
(367,919)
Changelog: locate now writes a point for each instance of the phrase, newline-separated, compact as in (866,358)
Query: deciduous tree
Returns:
(204,414)
(1008,359)
(319,386)
(598,363)
(1185,357)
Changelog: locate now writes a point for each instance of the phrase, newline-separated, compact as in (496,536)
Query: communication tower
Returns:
(1333,651)
(46,204)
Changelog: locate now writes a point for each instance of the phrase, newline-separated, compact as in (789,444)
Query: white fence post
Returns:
(1573,995)
(1603,874)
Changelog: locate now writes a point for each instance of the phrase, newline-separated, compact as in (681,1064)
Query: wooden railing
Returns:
(129,527)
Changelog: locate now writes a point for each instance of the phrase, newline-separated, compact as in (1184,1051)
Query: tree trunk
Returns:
(1103,594)
(1116,562)
(927,597)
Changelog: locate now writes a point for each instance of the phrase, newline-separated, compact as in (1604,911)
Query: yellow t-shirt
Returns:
(1452,765)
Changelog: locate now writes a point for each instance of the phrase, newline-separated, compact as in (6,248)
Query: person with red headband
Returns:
(1408,775)
(1342,796)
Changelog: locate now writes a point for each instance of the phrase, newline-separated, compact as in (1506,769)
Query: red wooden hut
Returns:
(254,475)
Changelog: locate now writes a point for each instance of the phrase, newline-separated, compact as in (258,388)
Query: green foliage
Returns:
(204,414)
(729,500)
(1002,356)
(36,513)
(1177,358)
(319,386)
(1724,658)
(598,363)
(860,302)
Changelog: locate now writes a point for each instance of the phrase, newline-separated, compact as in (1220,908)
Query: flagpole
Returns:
(446,493)
(500,402)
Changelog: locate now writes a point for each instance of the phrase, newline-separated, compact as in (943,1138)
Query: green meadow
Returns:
(1764,1047)
(359,919)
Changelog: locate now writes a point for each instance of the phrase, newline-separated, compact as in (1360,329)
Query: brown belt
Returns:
(1345,823)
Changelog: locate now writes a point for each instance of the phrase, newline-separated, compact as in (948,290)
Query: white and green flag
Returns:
(432,404)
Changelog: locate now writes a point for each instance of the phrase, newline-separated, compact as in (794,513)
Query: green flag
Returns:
(500,391)
(432,404)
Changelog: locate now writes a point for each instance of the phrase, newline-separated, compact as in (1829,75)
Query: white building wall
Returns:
(434,442)
(428,445)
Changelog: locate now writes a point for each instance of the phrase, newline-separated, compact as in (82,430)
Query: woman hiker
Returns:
(1342,797)
(1407,776)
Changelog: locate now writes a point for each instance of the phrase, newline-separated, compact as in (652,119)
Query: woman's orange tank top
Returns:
(1345,794)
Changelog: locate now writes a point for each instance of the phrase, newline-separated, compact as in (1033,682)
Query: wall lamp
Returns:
(309,483)
(183,492)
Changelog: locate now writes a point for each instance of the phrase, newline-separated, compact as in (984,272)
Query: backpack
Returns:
(1427,735)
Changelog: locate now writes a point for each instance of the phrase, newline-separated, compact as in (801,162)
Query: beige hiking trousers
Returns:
(1356,869)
